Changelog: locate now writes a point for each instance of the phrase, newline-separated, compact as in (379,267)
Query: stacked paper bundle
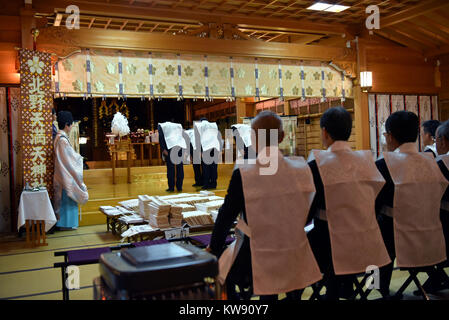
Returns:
(158,213)
(132,231)
(125,210)
(132,204)
(111,211)
(190,200)
(206,193)
(209,206)
(144,209)
(176,211)
(131,219)
(214,198)
(214,214)
(197,218)
(175,196)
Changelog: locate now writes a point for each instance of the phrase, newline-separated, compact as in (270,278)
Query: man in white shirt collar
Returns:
(429,128)
(406,204)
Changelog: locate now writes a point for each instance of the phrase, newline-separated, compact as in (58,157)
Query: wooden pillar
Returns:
(240,106)
(361,111)
(286,108)
(361,119)
(28,22)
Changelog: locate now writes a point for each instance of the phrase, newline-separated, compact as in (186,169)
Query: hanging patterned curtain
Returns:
(382,105)
(5,200)
(110,73)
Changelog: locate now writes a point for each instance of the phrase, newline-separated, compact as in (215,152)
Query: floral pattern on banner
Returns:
(36,103)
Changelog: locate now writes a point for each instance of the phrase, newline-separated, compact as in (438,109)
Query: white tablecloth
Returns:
(36,205)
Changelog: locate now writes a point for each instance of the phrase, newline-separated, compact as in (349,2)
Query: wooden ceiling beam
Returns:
(399,38)
(431,27)
(416,36)
(135,11)
(53,37)
(412,12)
(91,23)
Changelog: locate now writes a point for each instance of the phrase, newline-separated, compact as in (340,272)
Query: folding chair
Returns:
(413,272)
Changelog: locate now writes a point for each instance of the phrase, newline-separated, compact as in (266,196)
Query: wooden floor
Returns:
(27,273)
(144,180)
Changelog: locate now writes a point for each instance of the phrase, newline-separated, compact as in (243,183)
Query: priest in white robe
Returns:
(173,147)
(69,187)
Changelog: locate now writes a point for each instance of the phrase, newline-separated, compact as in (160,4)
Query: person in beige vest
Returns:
(438,280)
(408,206)
(271,253)
(346,239)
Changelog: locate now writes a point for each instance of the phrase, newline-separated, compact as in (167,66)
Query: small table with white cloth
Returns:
(36,212)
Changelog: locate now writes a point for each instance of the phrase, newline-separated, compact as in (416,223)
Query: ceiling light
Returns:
(319,6)
(336,8)
(322,6)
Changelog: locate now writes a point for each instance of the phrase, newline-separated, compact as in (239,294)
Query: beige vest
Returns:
(173,134)
(419,187)
(276,208)
(351,183)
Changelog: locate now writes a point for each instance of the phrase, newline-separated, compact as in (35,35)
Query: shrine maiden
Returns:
(408,206)
(346,238)
(69,187)
(271,254)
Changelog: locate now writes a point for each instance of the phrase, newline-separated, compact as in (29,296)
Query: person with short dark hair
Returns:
(345,226)
(438,279)
(408,205)
(69,187)
(277,257)
(429,128)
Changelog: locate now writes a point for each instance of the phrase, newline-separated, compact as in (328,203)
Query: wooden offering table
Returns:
(123,145)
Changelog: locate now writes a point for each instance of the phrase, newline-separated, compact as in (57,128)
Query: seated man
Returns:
(429,128)
(346,238)
(411,196)
(271,253)
(439,279)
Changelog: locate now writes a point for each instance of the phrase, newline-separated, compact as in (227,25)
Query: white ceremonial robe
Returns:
(282,259)
(191,134)
(418,188)
(351,183)
(432,147)
(208,132)
(173,134)
(244,131)
(68,172)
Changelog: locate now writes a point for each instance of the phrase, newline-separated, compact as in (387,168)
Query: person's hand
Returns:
(208,249)
(165,153)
